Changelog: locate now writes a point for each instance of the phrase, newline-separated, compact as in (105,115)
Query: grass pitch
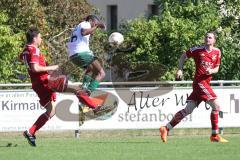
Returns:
(131,147)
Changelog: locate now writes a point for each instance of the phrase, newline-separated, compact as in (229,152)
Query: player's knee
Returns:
(103,74)
(51,113)
(50,110)
(58,84)
(216,108)
(190,107)
(215,105)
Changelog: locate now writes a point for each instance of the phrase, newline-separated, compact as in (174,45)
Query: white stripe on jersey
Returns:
(37,52)
(205,91)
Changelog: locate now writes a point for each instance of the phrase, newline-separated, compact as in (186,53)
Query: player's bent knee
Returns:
(102,73)
(51,111)
(216,108)
(190,107)
(58,83)
(215,105)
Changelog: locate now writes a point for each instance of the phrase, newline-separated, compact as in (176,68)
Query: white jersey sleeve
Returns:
(77,42)
(85,25)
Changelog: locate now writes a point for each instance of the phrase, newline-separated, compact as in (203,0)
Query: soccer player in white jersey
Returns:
(81,55)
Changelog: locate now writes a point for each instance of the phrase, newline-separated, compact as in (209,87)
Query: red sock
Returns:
(177,118)
(214,121)
(39,123)
(84,98)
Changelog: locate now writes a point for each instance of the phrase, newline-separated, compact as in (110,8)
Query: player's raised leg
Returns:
(87,78)
(98,75)
(59,83)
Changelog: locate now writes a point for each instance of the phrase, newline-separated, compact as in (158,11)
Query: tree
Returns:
(51,17)
(180,25)
(10,69)
(229,40)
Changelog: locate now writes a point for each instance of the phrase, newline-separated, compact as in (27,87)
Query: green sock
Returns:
(93,85)
(86,81)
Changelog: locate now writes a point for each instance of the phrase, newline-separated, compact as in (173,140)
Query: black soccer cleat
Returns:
(31,138)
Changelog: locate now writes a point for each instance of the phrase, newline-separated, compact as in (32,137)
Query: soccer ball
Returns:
(115,38)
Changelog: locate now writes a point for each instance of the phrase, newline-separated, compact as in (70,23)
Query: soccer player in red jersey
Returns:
(207,61)
(43,85)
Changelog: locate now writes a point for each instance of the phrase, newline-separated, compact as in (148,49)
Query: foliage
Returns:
(154,41)
(51,17)
(181,25)
(9,48)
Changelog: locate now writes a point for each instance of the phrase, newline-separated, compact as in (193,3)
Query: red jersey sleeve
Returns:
(218,59)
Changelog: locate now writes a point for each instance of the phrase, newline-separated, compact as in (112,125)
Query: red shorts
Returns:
(201,92)
(44,93)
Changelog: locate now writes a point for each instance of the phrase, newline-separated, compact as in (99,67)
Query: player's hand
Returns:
(208,71)
(179,75)
(53,71)
(54,67)
(102,26)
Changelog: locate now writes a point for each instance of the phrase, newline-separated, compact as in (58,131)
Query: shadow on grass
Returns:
(9,145)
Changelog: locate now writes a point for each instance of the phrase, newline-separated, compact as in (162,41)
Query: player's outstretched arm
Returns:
(85,32)
(37,68)
(179,73)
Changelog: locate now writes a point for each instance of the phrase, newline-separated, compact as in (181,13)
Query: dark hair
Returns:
(31,33)
(92,17)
